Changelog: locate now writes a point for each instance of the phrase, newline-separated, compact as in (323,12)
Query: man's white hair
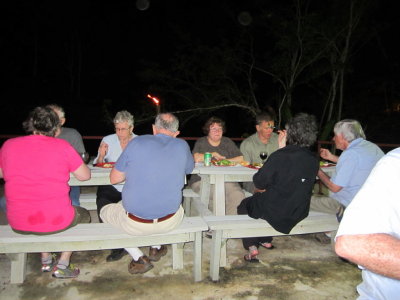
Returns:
(349,129)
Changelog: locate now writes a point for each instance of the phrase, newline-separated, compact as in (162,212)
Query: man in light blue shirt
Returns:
(154,169)
(355,163)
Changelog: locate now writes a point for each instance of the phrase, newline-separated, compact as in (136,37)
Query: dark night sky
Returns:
(117,40)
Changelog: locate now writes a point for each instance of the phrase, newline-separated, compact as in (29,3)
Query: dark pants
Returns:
(106,194)
(254,241)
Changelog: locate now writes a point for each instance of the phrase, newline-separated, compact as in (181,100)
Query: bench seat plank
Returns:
(100,236)
(242,226)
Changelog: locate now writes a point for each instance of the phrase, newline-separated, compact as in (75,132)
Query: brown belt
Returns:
(137,219)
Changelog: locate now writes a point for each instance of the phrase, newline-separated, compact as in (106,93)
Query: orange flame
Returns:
(155,99)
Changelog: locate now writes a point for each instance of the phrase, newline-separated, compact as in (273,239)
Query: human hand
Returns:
(282,138)
(325,154)
(103,149)
(217,156)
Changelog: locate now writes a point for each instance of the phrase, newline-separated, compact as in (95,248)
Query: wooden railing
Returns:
(327,144)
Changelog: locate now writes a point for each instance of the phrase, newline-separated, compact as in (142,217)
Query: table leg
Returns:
(219,195)
(219,209)
(205,189)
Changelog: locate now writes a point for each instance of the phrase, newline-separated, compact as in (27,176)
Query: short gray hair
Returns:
(302,130)
(167,121)
(264,117)
(124,116)
(349,129)
(58,109)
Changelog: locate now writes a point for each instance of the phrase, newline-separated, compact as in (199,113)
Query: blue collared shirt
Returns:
(155,167)
(353,168)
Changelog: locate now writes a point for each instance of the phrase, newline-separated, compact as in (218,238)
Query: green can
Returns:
(207,159)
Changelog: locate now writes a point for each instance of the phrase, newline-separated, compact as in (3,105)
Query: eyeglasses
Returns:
(216,129)
(268,127)
(121,129)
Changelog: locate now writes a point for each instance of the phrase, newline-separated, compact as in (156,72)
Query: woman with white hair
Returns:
(110,149)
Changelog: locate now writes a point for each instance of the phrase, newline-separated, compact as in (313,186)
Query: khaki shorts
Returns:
(116,215)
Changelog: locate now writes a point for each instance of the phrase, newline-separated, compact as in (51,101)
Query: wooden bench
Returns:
(100,236)
(242,226)
(188,196)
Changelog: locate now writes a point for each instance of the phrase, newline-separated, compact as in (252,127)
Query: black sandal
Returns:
(252,256)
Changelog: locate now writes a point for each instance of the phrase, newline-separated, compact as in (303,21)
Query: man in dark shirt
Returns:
(285,183)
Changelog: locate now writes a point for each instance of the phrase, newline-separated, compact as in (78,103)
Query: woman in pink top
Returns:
(36,170)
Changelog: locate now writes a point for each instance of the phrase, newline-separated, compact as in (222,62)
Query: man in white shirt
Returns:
(369,234)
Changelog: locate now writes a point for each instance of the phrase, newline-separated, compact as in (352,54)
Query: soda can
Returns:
(207,159)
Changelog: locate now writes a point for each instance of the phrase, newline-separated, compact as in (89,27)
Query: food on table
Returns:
(326,164)
(223,162)
(105,165)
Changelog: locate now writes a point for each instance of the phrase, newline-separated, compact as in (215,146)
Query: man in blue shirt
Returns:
(358,158)
(154,169)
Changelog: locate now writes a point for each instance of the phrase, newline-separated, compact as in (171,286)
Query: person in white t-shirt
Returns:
(369,234)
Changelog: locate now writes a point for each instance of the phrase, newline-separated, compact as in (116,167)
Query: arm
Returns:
(379,253)
(245,152)
(326,180)
(103,148)
(236,158)
(1,173)
(82,173)
(116,176)
(326,154)
(282,138)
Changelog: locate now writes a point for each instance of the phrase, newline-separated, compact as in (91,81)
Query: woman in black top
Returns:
(285,183)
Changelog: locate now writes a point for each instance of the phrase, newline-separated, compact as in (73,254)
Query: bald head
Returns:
(166,123)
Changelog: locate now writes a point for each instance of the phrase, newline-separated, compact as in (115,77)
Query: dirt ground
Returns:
(298,268)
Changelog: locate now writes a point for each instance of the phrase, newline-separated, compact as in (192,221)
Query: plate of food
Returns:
(105,165)
(223,163)
(251,166)
(254,166)
(325,164)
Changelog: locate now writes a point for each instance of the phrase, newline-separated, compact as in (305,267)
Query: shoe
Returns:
(116,254)
(322,238)
(252,255)
(69,272)
(155,254)
(49,267)
(268,246)
(142,265)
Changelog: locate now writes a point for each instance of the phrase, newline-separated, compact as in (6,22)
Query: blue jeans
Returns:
(3,203)
(74,194)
